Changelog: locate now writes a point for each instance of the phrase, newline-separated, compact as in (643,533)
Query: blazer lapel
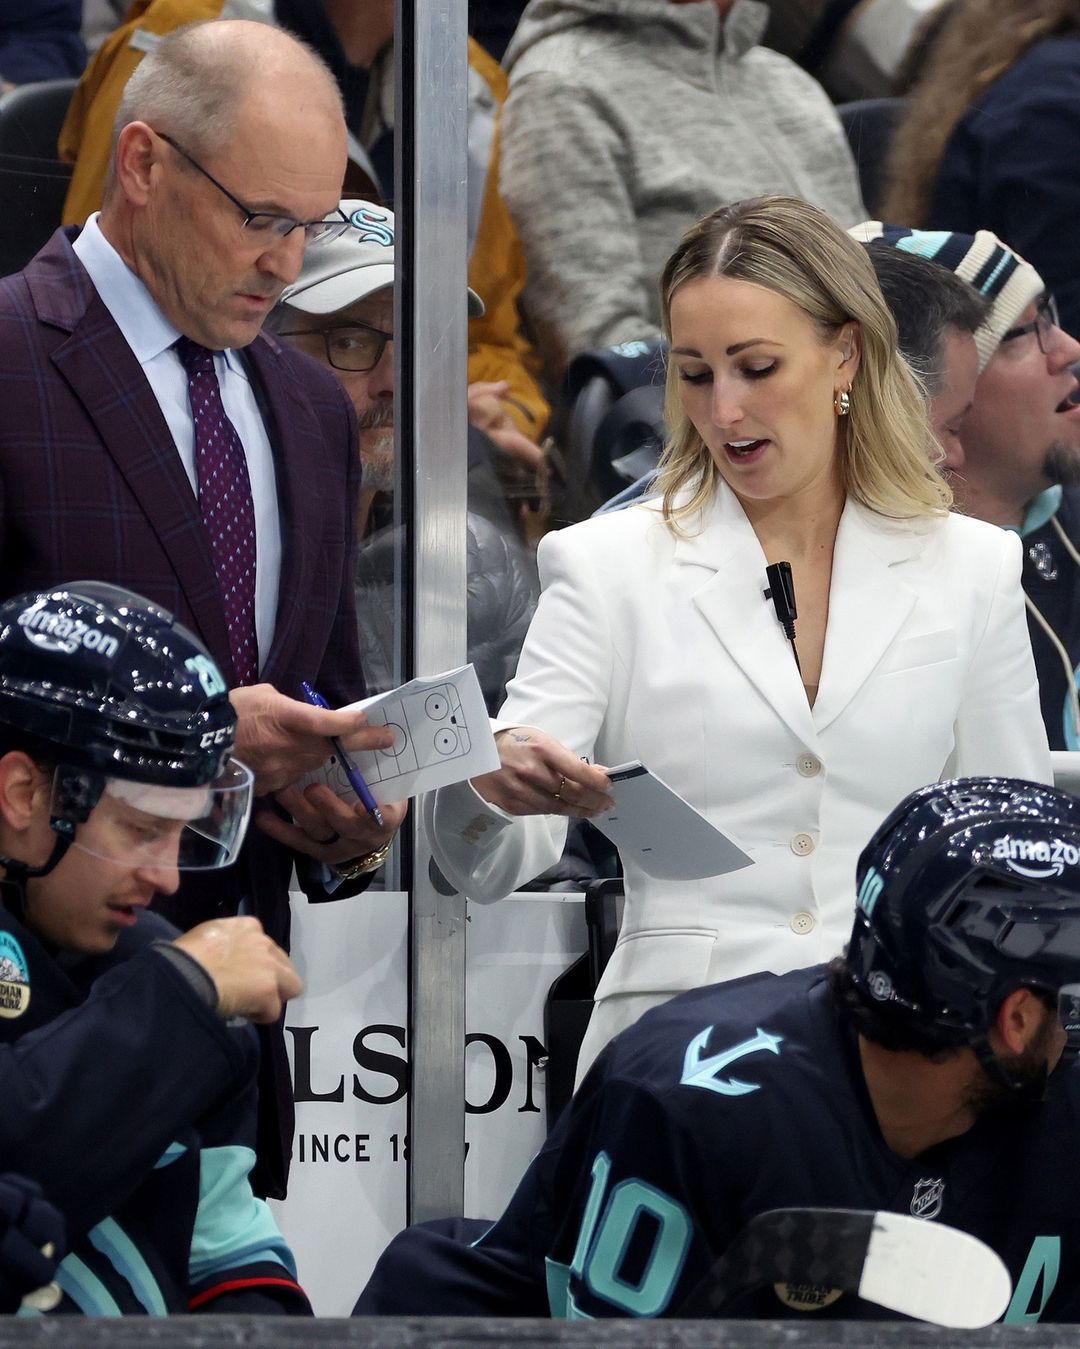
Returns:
(869,602)
(103,373)
(731,599)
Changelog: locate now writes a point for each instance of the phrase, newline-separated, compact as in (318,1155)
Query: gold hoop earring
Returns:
(841,402)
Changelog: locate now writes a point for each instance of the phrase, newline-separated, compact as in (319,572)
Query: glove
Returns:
(32,1242)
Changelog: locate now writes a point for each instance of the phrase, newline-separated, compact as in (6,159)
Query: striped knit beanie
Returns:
(980,259)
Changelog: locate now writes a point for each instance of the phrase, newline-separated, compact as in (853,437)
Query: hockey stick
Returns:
(922,1269)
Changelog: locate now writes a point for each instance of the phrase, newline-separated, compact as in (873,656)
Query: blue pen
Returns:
(356,778)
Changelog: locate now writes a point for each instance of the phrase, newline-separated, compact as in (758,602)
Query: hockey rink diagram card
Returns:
(441,735)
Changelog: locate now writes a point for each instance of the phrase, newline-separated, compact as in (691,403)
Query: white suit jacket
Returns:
(650,646)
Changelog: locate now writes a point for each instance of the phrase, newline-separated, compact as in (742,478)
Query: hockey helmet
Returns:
(969,890)
(125,701)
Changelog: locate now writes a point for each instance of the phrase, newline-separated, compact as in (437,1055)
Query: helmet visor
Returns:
(140,824)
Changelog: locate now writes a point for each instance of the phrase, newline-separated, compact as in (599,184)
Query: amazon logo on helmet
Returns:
(1035,858)
(56,630)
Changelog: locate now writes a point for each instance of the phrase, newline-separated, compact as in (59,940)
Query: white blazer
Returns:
(651,646)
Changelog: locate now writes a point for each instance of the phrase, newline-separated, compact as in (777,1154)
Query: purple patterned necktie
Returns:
(226,505)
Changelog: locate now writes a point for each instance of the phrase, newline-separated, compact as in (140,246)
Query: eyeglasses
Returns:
(1042,325)
(266,222)
(348,346)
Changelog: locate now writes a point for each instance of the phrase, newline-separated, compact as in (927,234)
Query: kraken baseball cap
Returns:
(357,263)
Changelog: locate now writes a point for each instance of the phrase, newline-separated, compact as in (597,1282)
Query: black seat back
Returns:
(31,117)
(611,409)
(570,998)
(32,193)
(33,181)
(870,124)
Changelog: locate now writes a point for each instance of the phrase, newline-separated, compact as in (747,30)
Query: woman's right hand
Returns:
(540,776)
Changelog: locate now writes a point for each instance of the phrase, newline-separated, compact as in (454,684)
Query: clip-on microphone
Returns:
(782,593)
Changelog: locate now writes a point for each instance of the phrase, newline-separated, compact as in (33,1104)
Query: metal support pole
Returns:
(431,354)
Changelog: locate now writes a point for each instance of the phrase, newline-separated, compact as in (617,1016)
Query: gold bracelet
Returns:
(361,866)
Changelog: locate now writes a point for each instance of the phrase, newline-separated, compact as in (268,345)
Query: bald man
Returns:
(154,438)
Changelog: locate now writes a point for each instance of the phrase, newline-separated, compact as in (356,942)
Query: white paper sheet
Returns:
(441,735)
(658,829)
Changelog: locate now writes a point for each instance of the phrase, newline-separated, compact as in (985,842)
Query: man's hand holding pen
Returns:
(323,826)
(356,778)
(281,739)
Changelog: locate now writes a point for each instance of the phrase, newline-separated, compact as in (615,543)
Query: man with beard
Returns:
(341,312)
(1016,462)
(914,1074)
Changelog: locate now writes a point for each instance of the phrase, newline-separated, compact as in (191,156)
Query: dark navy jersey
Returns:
(722,1104)
(131,1103)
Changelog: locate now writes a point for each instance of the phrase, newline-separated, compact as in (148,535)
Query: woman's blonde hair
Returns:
(978,43)
(887,450)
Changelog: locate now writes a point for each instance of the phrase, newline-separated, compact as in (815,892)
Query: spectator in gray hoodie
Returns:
(629,119)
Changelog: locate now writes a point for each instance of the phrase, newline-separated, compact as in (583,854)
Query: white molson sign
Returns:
(60,632)
(347,1037)
(1037,859)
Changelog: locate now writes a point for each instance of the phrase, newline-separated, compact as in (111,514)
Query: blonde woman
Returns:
(992,136)
(801,436)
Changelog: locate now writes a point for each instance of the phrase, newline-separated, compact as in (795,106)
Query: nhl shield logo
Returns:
(926,1201)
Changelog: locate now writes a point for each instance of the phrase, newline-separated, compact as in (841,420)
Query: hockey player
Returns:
(925,1072)
(126,1066)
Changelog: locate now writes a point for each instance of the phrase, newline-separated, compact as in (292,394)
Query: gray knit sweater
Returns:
(627,121)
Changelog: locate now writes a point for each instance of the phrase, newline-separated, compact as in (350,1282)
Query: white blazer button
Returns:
(808,765)
(803,923)
(802,845)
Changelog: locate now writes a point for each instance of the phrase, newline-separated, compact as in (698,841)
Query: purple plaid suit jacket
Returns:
(92,487)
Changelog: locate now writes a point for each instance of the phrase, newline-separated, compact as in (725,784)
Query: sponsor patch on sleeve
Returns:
(14,977)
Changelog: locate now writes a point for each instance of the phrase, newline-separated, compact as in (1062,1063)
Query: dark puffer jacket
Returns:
(1010,166)
(40,41)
